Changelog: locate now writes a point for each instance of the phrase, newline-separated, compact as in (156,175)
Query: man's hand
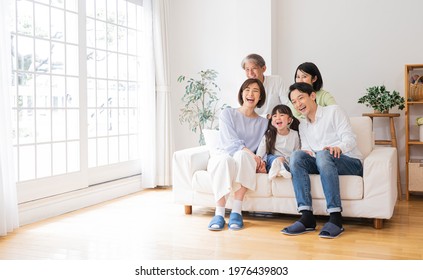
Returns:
(335,151)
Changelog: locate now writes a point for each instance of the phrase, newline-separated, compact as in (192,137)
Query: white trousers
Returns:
(228,173)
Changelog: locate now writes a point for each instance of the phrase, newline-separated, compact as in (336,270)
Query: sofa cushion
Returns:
(351,187)
(201,182)
(363,128)
(211,137)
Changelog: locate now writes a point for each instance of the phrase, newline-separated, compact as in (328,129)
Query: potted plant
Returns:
(381,100)
(201,103)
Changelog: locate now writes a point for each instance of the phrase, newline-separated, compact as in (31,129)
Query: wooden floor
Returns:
(149,226)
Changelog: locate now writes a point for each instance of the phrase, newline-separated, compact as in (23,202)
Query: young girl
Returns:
(279,141)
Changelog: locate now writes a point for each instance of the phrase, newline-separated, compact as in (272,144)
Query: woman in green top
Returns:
(308,72)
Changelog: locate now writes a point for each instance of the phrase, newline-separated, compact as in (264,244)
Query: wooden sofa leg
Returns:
(188,209)
(378,223)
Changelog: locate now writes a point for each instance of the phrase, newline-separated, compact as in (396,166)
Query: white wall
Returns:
(214,34)
(356,44)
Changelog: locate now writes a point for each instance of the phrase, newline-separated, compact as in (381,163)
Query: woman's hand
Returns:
(261,167)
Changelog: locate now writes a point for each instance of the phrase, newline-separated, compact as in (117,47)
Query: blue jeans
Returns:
(270,159)
(329,168)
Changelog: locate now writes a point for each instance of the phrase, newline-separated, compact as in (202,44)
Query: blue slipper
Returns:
(235,221)
(330,230)
(296,229)
(219,221)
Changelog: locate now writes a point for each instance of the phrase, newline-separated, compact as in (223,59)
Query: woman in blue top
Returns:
(234,166)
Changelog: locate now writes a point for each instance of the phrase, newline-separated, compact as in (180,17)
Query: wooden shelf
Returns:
(417,107)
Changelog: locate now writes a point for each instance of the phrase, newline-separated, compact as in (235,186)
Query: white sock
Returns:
(285,173)
(220,210)
(237,206)
(274,169)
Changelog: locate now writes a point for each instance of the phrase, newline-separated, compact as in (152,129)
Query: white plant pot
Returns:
(421,133)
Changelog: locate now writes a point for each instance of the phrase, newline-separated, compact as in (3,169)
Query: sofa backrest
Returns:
(363,129)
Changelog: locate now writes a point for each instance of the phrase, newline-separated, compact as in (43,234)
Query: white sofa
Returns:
(372,196)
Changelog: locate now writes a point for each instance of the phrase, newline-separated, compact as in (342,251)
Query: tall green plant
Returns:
(201,103)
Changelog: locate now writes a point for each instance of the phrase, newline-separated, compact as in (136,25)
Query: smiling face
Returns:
(303,77)
(251,95)
(254,71)
(281,121)
(304,103)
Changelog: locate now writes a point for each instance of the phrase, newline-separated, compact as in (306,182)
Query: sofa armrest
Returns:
(185,163)
(380,171)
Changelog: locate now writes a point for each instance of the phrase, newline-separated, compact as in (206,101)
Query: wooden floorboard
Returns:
(149,226)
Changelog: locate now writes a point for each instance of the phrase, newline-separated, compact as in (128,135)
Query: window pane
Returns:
(73,124)
(43,160)
(113,122)
(91,56)
(101,59)
(91,93)
(58,92)
(123,148)
(42,91)
(112,37)
(72,65)
(112,66)
(123,121)
(59,158)
(26,163)
(113,94)
(123,67)
(92,153)
(26,122)
(25,17)
(71,28)
(57,24)
(73,156)
(101,35)
(25,46)
(100,9)
(72,5)
(102,151)
(72,92)
(43,125)
(59,125)
(42,56)
(92,123)
(113,150)
(42,23)
(58,58)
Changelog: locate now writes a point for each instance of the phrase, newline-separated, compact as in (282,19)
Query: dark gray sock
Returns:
(307,219)
(336,218)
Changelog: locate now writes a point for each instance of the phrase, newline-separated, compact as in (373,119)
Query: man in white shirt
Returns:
(276,92)
(328,148)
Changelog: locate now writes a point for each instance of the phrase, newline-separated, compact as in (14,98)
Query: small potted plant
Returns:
(201,103)
(381,100)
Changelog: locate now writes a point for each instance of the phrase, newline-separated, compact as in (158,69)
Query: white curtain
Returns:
(8,200)
(158,148)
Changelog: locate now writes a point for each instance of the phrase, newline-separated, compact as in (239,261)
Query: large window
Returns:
(75,93)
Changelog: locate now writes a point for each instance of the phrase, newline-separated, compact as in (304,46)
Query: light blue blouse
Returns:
(237,131)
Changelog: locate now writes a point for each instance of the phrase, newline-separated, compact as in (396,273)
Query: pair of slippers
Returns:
(218,222)
(329,230)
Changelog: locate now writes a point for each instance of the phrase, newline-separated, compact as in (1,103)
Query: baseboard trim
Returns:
(37,210)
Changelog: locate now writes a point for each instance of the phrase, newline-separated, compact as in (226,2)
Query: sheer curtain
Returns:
(157,149)
(8,200)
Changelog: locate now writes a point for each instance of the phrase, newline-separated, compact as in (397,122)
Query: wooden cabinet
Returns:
(413,146)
